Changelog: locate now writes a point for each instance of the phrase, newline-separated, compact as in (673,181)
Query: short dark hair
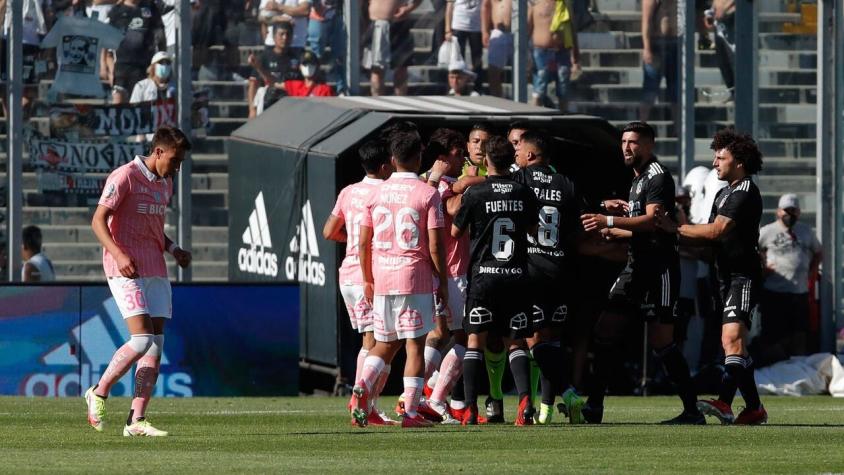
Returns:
(642,128)
(374,154)
(433,151)
(405,146)
(742,146)
(500,153)
(399,126)
(32,238)
(171,138)
(538,140)
(483,127)
(309,57)
(448,138)
(519,125)
(282,25)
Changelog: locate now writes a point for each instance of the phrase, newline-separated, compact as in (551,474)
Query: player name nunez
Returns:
(499,206)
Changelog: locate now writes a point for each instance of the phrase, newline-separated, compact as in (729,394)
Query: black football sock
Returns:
(604,354)
(549,358)
(678,371)
(457,392)
(473,366)
(520,367)
(747,384)
(733,371)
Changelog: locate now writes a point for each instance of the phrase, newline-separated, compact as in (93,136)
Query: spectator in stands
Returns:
(660,55)
(791,254)
(463,21)
(555,52)
(141,23)
(721,17)
(392,43)
(461,79)
(311,83)
(438,17)
(326,29)
(34,29)
(271,12)
(274,66)
(158,84)
(497,38)
(217,22)
(36,266)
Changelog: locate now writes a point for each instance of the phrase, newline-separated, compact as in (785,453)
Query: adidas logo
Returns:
(306,268)
(257,259)
(96,345)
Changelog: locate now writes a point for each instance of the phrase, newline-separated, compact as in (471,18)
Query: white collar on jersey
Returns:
(371,181)
(404,175)
(139,162)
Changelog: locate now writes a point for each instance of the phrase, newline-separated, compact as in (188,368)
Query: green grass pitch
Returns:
(313,435)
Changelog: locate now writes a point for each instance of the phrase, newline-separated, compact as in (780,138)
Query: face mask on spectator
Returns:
(162,71)
(308,70)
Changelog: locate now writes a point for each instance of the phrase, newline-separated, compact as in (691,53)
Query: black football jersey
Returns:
(550,248)
(498,212)
(654,185)
(738,251)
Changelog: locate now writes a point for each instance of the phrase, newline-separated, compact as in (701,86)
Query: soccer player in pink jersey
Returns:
(400,247)
(446,149)
(129,223)
(343,225)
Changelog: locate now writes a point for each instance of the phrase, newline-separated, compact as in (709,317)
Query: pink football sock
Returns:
(122,361)
(452,368)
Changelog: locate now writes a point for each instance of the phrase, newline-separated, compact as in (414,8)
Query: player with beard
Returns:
(649,284)
(499,214)
(733,231)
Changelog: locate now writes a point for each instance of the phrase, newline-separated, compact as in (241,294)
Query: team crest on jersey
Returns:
(157,196)
(146,12)
(109,191)
(639,186)
(723,200)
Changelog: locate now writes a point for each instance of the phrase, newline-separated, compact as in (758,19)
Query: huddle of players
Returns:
(496,247)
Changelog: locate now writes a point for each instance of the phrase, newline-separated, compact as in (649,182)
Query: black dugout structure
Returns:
(287,166)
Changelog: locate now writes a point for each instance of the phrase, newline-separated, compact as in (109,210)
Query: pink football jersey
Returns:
(401,211)
(457,250)
(138,200)
(350,207)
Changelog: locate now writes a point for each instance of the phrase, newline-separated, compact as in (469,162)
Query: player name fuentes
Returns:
(500,270)
(500,206)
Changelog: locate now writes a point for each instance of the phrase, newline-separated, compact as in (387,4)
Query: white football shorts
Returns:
(142,296)
(402,317)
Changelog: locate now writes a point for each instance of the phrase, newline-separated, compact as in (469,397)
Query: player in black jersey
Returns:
(499,214)
(649,284)
(550,253)
(733,231)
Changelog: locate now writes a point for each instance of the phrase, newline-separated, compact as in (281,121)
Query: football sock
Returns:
(432,360)
(495,366)
(411,395)
(372,367)
(122,361)
(146,375)
(733,369)
(678,372)
(747,385)
(520,367)
(452,368)
(383,376)
(603,364)
(535,377)
(548,357)
(472,366)
(362,354)
(432,381)
(457,394)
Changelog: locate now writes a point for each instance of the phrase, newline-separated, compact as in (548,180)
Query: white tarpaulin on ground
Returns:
(820,373)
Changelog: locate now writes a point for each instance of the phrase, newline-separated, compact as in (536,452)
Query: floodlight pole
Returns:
(15,137)
(351,15)
(746,67)
(520,47)
(185,100)
(686,21)
(830,166)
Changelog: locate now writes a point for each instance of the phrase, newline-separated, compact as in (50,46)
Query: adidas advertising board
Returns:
(258,257)
(303,263)
(56,341)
